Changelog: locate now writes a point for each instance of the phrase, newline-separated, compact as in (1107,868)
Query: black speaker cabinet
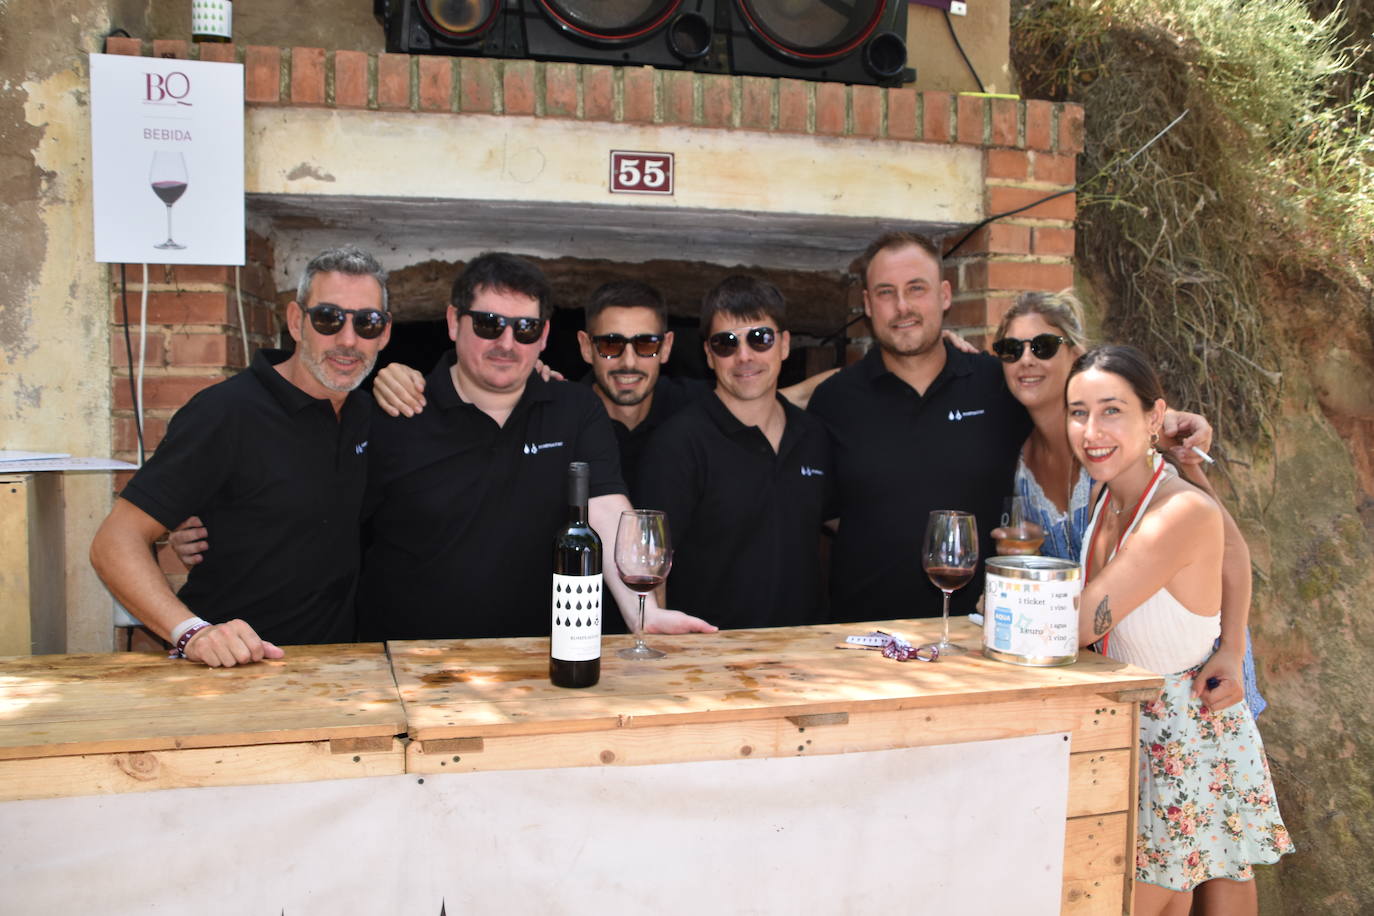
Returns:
(846,41)
(851,41)
(660,33)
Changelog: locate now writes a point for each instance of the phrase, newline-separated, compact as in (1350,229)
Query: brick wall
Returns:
(194,337)
(1030,147)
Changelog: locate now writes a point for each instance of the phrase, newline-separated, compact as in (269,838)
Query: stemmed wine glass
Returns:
(950,558)
(167,175)
(643,555)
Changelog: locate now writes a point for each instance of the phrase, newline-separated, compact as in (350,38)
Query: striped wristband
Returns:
(182,633)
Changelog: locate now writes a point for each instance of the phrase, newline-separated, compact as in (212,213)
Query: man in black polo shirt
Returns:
(626,343)
(274,461)
(464,499)
(916,425)
(743,474)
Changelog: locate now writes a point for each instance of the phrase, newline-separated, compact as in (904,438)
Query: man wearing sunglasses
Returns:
(743,474)
(626,343)
(274,461)
(464,497)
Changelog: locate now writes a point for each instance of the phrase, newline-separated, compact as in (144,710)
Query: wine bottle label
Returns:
(576,618)
(212,17)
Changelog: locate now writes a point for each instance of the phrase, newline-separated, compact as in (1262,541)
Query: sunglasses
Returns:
(329,320)
(726,343)
(610,346)
(489,326)
(1042,346)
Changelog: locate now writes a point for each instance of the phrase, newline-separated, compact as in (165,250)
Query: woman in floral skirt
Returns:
(1152,558)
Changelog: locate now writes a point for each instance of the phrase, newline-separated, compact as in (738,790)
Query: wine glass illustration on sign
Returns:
(950,558)
(167,175)
(643,555)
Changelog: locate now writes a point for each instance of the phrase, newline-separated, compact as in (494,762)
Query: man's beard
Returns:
(314,364)
(887,342)
(626,398)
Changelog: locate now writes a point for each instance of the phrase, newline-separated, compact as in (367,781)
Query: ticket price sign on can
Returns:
(1030,610)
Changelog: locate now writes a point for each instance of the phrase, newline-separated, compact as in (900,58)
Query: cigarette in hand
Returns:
(1203,455)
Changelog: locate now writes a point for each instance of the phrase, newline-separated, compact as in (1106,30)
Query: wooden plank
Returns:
(65,705)
(1094,896)
(1096,846)
(102,774)
(1100,782)
(471,688)
(775,737)
(1132,827)
(1109,727)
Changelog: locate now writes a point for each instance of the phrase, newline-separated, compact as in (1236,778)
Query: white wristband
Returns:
(182,627)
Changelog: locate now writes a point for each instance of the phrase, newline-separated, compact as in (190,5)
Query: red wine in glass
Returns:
(167,177)
(642,584)
(950,557)
(643,556)
(949,578)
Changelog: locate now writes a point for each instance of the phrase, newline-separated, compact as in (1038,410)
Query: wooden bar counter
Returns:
(132,722)
(488,705)
(468,735)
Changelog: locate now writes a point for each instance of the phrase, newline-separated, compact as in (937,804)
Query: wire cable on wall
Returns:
(243,327)
(957,44)
(129,352)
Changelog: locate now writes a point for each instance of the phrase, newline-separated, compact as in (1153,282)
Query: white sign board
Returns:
(958,829)
(167,160)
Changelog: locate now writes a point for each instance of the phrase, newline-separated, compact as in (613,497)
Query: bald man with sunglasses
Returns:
(274,460)
(464,497)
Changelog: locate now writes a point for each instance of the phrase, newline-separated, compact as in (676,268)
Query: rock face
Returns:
(1305,509)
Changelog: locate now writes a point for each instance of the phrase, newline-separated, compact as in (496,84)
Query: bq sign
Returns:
(167,160)
(641,173)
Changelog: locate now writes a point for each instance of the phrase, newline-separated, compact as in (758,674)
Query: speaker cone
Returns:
(813,30)
(460,18)
(610,20)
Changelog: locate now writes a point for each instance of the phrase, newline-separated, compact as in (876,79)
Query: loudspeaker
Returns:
(851,41)
(846,41)
(661,33)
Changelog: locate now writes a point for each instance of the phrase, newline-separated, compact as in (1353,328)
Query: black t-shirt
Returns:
(900,455)
(462,512)
(278,480)
(670,396)
(745,521)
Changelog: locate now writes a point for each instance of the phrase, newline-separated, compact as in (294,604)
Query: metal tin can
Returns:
(1030,610)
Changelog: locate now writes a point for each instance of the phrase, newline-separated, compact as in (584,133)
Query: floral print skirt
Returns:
(1207,807)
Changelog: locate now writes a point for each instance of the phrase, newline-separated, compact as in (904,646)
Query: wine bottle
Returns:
(212,20)
(575,649)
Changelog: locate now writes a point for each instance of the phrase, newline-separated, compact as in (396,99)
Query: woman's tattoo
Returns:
(1102,618)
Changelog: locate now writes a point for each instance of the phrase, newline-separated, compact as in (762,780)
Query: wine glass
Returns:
(950,558)
(643,555)
(167,175)
(1016,534)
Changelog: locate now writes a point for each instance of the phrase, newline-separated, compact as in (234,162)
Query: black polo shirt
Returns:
(278,479)
(462,512)
(745,521)
(670,396)
(898,456)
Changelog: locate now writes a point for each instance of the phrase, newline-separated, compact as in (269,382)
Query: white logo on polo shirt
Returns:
(360,447)
(957,415)
(532,448)
(808,471)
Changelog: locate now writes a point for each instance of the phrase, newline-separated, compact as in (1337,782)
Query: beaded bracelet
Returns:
(179,650)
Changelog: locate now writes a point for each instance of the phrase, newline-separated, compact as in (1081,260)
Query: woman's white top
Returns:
(1161,634)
